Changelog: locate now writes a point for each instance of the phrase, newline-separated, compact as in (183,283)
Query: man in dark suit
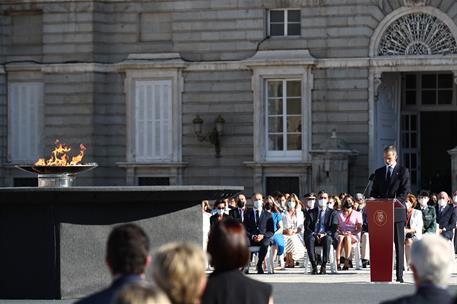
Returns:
(320,230)
(239,213)
(259,228)
(431,264)
(127,258)
(392,181)
(445,216)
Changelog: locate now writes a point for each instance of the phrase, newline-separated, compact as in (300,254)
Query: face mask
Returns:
(330,205)
(442,202)
(220,211)
(310,204)
(291,204)
(241,204)
(258,204)
(423,202)
(323,203)
(454,198)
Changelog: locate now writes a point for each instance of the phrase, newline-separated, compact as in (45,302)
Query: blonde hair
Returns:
(179,270)
(139,293)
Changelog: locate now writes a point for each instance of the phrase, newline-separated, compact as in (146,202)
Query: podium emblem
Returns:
(380,218)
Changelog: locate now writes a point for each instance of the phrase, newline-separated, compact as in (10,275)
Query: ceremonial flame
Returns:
(59,156)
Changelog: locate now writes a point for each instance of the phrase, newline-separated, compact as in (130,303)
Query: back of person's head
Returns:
(179,270)
(127,250)
(431,260)
(227,246)
(139,293)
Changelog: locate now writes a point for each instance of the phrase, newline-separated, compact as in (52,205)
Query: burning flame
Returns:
(59,156)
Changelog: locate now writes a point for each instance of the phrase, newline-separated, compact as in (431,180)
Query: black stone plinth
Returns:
(52,240)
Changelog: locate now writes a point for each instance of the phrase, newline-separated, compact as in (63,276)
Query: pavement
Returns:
(293,286)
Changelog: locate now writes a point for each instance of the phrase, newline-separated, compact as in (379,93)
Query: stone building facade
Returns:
(309,90)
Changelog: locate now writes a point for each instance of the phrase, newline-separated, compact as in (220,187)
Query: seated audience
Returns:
(228,250)
(349,228)
(320,230)
(433,199)
(445,216)
(365,238)
(127,257)
(219,206)
(260,228)
(334,203)
(431,264)
(428,213)
(239,213)
(299,213)
(232,204)
(206,210)
(414,224)
(359,201)
(310,201)
(136,293)
(179,270)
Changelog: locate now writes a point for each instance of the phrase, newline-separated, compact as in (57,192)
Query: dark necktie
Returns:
(318,223)
(388,175)
(257,217)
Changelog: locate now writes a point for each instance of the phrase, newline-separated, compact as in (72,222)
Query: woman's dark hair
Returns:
(218,202)
(127,249)
(228,246)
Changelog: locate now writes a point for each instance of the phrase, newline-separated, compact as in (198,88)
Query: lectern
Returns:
(382,213)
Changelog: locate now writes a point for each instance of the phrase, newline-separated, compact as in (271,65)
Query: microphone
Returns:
(370,179)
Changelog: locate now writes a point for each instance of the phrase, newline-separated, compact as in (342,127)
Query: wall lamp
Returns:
(213,136)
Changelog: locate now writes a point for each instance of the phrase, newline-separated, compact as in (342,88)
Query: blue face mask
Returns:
(258,204)
(220,211)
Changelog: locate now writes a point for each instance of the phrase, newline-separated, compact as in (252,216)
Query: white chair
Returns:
(254,250)
(331,258)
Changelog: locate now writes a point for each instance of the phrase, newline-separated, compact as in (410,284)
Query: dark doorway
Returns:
(283,184)
(438,135)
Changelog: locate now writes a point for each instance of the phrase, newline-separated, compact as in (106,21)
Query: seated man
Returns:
(259,228)
(431,264)
(320,230)
(445,216)
(127,257)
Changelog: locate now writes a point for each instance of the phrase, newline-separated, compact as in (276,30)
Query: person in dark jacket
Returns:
(445,216)
(431,264)
(428,212)
(228,250)
(127,258)
(220,213)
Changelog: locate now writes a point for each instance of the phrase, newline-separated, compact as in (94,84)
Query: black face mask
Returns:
(347,205)
(241,204)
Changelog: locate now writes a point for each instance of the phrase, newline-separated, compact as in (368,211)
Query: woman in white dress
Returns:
(295,249)
(414,225)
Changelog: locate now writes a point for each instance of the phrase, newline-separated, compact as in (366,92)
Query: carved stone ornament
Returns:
(417,34)
(415,2)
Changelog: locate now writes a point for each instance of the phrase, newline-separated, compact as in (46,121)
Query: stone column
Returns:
(453,154)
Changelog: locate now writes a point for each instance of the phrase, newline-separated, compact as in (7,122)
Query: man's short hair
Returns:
(127,249)
(390,148)
(431,258)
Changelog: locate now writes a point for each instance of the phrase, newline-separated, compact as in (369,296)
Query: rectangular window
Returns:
(153,181)
(283,184)
(284,22)
(24,120)
(437,89)
(284,119)
(153,117)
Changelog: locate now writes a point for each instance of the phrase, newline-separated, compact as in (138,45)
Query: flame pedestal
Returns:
(53,240)
(55,180)
(57,176)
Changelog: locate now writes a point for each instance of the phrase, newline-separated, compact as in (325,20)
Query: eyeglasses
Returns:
(221,208)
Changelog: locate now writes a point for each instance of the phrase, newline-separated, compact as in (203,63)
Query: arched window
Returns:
(417,34)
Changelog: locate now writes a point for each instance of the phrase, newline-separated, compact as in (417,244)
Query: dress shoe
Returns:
(364,263)
(314,271)
(246,270)
(323,269)
(260,270)
(400,280)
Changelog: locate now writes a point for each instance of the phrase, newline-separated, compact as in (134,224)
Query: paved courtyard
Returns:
(293,286)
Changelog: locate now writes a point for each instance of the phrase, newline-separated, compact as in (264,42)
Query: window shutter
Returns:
(153,107)
(24,104)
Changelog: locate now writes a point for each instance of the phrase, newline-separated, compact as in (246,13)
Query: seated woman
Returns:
(414,224)
(220,215)
(428,213)
(349,228)
(228,250)
(278,245)
(295,248)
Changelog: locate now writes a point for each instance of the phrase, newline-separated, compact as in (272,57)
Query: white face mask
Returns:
(330,205)
(291,204)
(423,202)
(258,204)
(323,203)
(442,202)
(310,204)
(454,198)
(220,211)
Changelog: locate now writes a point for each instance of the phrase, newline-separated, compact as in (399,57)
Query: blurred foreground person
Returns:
(431,263)
(127,257)
(228,250)
(179,270)
(137,293)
